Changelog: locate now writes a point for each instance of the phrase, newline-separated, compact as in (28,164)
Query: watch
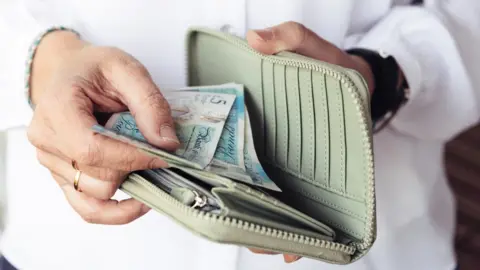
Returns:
(388,95)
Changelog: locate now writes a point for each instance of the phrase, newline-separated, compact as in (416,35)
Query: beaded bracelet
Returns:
(31,54)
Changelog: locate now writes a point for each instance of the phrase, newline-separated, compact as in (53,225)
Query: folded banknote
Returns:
(214,130)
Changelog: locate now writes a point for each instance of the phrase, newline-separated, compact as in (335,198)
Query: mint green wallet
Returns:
(312,133)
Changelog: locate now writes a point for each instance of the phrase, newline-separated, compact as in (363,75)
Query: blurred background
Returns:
(462,161)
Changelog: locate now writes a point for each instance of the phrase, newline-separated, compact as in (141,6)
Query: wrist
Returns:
(54,49)
(391,88)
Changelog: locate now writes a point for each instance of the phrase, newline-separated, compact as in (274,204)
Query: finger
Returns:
(144,100)
(71,137)
(104,212)
(291,258)
(92,149)
(261,251)
(291,36)
(91,186)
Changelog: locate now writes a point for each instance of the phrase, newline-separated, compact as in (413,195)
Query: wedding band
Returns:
(77,175)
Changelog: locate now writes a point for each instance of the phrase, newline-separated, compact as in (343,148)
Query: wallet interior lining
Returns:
(311,167)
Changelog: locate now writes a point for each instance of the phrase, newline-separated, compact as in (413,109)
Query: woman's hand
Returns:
(292,36)
(71,81)
(295,37)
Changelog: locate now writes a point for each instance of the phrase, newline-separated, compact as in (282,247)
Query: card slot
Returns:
(269,107)
(343,214)
(322,136)
(345,223)
(337,133)
(294,119)
(308,123)
(282,114)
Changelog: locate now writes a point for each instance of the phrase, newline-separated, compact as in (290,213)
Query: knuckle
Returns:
(292,24)
(151,164)
(31,136)
(106,175)
(41,157)
(90,216)
(109,190)
(112,176)
(106,194)
(155,100)
(83,156)
(116,58)
(134,66)
(299,33)
(130,162)
(88,154)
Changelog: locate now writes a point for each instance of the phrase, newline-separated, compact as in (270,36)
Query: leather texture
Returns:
(313,136)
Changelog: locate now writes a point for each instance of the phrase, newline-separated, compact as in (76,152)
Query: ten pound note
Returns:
(212,125)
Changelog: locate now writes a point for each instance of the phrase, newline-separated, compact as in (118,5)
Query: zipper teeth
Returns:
(244,225)
(352,90)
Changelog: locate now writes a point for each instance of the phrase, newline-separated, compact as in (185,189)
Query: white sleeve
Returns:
(443,99)
(21,21)
(17,31)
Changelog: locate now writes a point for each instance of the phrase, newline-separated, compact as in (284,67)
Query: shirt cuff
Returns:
(441,101)
(20,29)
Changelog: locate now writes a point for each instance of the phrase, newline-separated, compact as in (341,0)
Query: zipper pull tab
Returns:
(184,195)
(200,201)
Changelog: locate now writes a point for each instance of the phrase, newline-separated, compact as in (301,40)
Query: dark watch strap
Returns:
(387,96)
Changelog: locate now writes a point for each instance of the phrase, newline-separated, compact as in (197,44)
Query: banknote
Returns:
(237,138)
(233,156)
(170,158)
(199,121)
(252,164)
(229,159)
(230,147)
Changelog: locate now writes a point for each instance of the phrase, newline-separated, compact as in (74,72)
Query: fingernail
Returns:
(265,34)
(145,208)
(168,134)
(291,258)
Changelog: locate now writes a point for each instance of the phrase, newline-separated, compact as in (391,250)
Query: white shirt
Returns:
(434,46)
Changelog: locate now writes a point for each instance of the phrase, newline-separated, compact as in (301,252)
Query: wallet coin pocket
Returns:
(233,200)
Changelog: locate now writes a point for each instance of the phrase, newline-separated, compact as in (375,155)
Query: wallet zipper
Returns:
(345,79)
(200,198)
(240,224)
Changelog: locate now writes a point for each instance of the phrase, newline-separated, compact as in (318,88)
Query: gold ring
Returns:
(76,180)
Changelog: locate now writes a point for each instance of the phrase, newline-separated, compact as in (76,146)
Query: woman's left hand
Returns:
(295,37)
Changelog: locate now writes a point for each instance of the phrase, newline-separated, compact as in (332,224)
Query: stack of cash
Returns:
(212,124)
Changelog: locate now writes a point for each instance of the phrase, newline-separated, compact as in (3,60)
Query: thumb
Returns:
(145,102)
(291,36)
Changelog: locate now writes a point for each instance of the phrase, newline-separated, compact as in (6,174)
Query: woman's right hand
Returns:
(72,80)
